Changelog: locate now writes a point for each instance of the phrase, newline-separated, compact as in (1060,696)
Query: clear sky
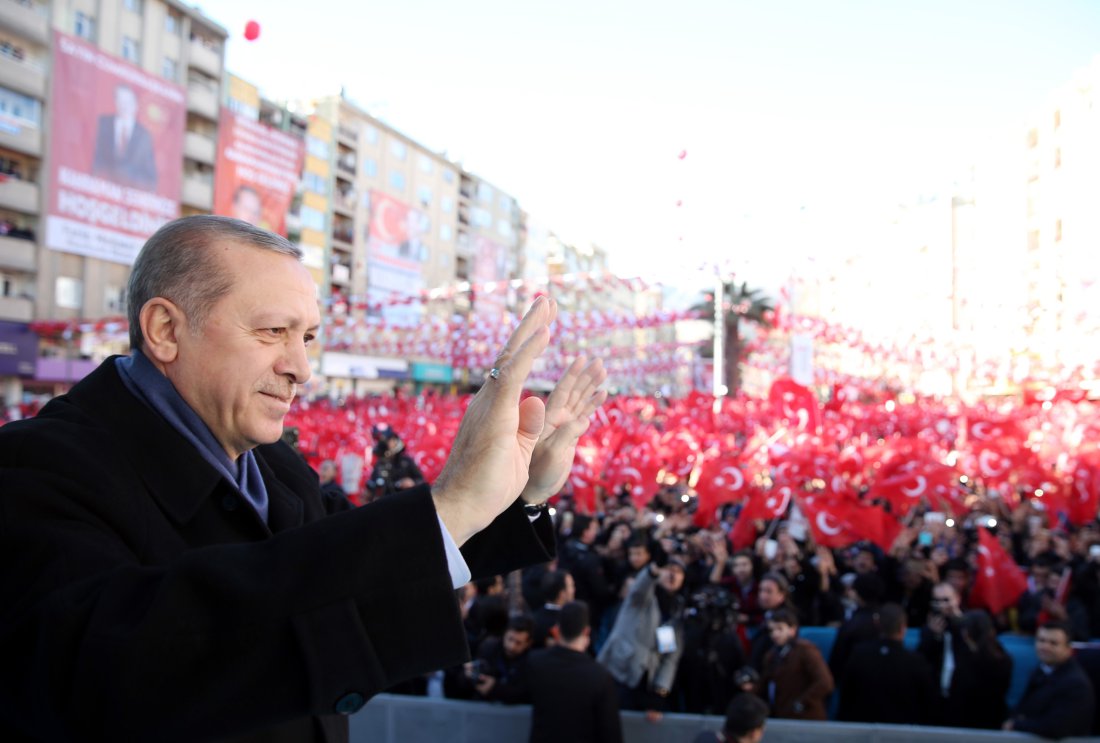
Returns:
(784,107)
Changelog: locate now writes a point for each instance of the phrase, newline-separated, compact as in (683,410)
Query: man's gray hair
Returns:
(178,263)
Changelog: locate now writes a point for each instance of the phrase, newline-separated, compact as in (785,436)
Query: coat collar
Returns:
(178,477)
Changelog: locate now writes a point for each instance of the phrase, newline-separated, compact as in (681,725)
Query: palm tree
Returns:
(739,304)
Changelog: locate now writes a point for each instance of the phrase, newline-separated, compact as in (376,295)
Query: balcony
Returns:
(343,237)
(202,99)
(344,203)
(347,136)
(202,57)
(22,75)
(29,20)
(17,254)
(199,147)
(22,196)
(17,309)
(198,191)
(20,136)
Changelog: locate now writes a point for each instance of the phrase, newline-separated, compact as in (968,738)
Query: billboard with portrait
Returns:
(490,265)
(257,172)
(115,152)
(396,251)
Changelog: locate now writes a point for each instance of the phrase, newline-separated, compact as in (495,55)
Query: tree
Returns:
(739,304)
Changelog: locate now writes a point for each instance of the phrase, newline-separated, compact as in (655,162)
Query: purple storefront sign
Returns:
(18,350)
(64,370)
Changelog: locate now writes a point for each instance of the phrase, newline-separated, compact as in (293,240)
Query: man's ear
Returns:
(161,322)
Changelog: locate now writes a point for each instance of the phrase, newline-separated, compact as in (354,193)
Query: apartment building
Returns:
(1063,228)
(166,59)
(406,221)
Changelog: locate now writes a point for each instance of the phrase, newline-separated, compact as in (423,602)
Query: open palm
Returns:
(568,410)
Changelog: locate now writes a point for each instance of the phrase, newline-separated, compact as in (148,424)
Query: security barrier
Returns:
(397,719)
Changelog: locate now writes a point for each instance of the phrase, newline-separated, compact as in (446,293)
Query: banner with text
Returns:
(116,153)
(396,252)
(257,173)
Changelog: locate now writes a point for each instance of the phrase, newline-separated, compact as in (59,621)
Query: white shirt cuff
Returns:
(456,563)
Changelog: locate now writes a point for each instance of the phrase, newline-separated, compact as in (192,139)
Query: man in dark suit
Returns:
(884,682)
(1058,701)
(174,573)
(573,697)
(123,147)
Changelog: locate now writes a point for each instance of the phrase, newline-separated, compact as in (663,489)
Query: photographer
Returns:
(644,648)
(942,644)
(394,469)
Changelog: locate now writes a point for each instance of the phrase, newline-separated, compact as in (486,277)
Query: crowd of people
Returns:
(684,623)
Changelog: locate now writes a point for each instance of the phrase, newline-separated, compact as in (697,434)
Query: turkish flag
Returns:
(840,522)
(795,403)
(1084,499)
(999,582)
(718,480)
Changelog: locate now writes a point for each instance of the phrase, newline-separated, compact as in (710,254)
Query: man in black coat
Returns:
(1058,701)
(884,682)
(861,626)
(579,557)
(573,697)
(172,571)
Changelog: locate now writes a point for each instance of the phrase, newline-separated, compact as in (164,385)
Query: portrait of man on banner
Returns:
(124,149)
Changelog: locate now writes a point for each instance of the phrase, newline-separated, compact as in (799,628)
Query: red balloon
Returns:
(679,203)
(252,30)
(683,154)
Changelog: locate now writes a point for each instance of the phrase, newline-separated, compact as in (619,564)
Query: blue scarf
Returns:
(153,388)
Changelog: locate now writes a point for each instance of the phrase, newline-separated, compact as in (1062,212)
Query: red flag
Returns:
(999,582)
(717,480)
(1085,497)
(842,522)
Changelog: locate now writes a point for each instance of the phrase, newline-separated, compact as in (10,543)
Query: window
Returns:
(449,176)
(482,218)
(506,203)
(485,193)
(114,299)
(424,195)
(397,147)
(18,106)
(370,167)
(445,232)
(317,147)
(312,219)
(425,164)
(172,24)
(68,293)
(134,6)
(169,69)
(504,228)
(446,203)
(397,180)
(131,49)
(370,134)
(315,183)
(84,26)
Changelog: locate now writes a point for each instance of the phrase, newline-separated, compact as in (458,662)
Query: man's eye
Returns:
(310,339)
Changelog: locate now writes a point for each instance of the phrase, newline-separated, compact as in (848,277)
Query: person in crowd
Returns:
(796,680)
(774,593)
(1059,700)
(394,470)
(865,560)
(745,588)
(1048,598)
(579,557)
(908,576)
(746,717)
(941,644)
(644,648)
(500,672)
(885,682)
(861,626)
(558,590)
(487,610)
(331,490)
(956,572)
(983,673)
(573,698)
(172,547)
